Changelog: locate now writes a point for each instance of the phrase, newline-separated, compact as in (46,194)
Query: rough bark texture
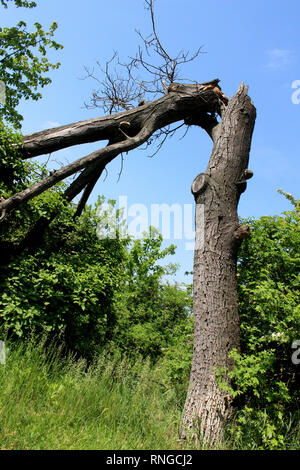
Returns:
(180,101)
(216,317)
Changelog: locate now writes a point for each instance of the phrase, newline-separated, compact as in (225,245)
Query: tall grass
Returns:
(51,403)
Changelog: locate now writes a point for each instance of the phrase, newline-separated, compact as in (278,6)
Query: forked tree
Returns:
(140,111)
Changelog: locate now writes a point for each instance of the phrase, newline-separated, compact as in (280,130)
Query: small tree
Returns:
(23,62)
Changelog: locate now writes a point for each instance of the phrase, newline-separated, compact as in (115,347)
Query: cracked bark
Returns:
(216,329)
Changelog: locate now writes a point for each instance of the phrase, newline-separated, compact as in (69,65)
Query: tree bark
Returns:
(125,131)
(218,237)
(180,101)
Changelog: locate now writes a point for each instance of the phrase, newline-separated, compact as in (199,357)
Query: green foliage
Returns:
(19,3)
(264,379)
(176,360)
(112,293)
(16,175)
(50,403)
(67,285)
(93,290)
(12,169)
(82,285)
(149,309)
(23,62)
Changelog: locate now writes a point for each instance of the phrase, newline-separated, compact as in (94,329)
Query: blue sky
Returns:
(255,41)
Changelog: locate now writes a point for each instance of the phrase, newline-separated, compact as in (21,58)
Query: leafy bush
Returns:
(68,284)
(93,290)
(150,312)
(264,379)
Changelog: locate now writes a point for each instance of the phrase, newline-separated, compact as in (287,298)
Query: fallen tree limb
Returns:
(176,105)
(125,131)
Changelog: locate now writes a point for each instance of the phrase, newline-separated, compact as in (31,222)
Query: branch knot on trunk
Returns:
(242,232)
(199,184)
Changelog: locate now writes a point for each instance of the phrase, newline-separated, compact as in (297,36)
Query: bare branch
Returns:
(82,180)
(87,192)
(188,103)
(103,156)
(116,92)
(121,169)
(125,84)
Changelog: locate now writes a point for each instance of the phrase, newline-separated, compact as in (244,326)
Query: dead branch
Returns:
(103,156)
(140,124)
(177,105)
(143,77)
(123,89)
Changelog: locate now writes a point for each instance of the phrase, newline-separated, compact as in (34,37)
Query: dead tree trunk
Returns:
(217,330)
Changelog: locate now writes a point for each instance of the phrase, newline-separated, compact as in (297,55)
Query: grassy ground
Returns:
(50,403)
(46,403)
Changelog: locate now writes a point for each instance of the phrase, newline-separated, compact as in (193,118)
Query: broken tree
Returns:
(217,191)
(218,237)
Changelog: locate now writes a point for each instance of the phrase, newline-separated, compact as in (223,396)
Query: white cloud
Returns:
(279,59)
